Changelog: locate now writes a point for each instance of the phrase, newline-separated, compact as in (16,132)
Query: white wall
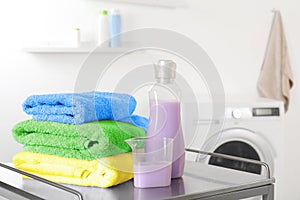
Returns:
(233,32)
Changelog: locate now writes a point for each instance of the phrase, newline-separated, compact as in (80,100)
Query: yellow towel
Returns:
(276,77)
(104,172)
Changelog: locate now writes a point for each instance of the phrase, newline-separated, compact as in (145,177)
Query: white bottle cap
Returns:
(115,12)
(165,69)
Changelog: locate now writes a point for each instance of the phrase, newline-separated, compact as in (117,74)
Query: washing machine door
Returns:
(239,142)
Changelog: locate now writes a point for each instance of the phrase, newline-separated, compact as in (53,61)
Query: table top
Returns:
(199,180)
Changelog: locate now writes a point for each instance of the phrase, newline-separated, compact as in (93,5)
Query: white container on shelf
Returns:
(103,29)
(76,42)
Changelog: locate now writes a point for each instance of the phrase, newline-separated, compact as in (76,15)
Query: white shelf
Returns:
(83,48)
(163,3)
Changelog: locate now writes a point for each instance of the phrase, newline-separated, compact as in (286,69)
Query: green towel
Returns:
(87,141)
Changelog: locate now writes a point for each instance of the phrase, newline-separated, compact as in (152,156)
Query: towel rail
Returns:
(219,155)
(59,186)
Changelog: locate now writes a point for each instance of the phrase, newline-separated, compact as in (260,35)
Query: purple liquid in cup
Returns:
(152,174)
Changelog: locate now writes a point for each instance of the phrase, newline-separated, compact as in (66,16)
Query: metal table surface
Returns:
(200,181)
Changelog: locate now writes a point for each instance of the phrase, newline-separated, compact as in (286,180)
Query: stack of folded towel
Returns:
(79,138)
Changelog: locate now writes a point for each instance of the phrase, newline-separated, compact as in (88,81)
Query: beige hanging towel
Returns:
(276,77)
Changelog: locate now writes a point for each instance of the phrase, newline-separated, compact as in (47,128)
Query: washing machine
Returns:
(250,129)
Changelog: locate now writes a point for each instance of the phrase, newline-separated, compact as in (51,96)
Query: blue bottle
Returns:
(115,28)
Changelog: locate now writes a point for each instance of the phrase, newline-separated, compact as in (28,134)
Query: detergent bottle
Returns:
(165,117)
(115,28)
(103,28)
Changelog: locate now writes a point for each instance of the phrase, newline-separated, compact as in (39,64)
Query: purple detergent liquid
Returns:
(165,121)
(152,174)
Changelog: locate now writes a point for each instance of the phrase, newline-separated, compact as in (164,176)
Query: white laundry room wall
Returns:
(234,34)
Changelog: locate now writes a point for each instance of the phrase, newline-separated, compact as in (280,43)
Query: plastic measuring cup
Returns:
(152,161)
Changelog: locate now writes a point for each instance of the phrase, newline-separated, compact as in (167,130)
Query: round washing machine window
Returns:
(240,149)
(239,142)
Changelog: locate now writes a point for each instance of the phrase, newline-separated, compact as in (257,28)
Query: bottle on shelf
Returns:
(103,29)
(115,28)
(165,117)
(76,42)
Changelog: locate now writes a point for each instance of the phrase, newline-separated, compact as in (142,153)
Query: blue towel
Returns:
(137,120)
(78,108)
